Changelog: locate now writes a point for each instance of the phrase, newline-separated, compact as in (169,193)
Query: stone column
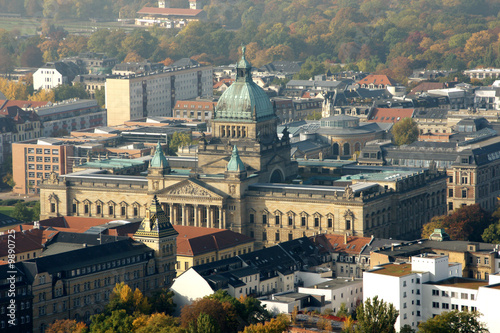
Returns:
(209,217)
(197,222)
(223,218)
(220,218)
(183,211)
(171,213)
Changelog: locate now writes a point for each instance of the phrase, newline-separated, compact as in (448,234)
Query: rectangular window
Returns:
(136,211)
(445,306)
(316,221)
(252,218)
(98,209)
(464,193)
(86,209)
(290,220)
(110,210)
(450,193)
(303,221)
(74,208)
(52,207)
(264,235)
(435,305)
(435,292)
(277,236)
(264,219)
(123,210)
(330,222)
(277,219)
(464,296)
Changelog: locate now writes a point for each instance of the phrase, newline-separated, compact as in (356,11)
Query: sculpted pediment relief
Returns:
(191,189)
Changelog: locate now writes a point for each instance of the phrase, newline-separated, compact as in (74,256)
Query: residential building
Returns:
(478,260)
(390,115)
(374,81)
(200,109)
(266,271)
(136,68)
(337,292)
(53,74)
(61,118)
(35,160)
(28,125)
(428,286)
(15,286)
(7,130)
(154,94)
(488,98)
(483,73)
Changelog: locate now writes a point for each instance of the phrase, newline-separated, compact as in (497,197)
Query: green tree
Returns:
(100,96)
(21,212)
(177,140)
(452,322)
(405,131)
(117,321)
(375,316)
(162,301)
(66,91)
(35,211)
(342,313)
(204,324)
(407,329)
(9,180)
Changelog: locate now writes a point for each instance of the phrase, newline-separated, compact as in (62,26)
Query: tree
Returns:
(32,57)
(117,321)
(162,301)
(466,223)
(375,316)
(21,212)
(179,139)
(437,222)
(213,308)
(66,326)
(158,323)
(123,298)
(452,322)
(204,324)
(35,211)
(405,131)
(66,91)
(100,96)
(275,325)
(342,313)
(407,329)
(9,180)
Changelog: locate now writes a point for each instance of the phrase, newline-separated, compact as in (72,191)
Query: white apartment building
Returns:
(406,286)
(430,285)
(483,73)
(154,94)
(336,292)
(53,74)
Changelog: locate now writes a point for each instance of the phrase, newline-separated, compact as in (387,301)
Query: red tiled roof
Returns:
(29,240)
(226,82)
(335,243)
(377,80)
(170,11)
(20,103)
(390,115)
(193,241)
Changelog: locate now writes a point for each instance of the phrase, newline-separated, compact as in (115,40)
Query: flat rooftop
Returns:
(464,283)
(335,283)
(393,269)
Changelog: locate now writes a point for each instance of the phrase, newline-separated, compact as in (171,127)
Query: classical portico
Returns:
(190,203)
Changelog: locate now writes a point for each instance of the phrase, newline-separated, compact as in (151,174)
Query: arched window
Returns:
(336,149)
(347,149)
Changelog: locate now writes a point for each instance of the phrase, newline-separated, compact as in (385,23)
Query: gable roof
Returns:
(337,243)
(376,80)
(426,86)
(193,241)
(390,115)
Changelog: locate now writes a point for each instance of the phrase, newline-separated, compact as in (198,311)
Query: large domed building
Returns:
(242,182)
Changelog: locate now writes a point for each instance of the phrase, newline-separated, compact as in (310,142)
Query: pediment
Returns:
(190,188)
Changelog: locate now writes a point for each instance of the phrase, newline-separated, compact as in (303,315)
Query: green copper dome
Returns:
(244,100)
(235,163)
(159,160)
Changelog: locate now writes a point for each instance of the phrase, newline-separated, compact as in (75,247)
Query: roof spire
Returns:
(235,163)
(159,160)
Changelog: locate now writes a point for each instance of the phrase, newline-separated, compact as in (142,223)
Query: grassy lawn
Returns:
(7,210)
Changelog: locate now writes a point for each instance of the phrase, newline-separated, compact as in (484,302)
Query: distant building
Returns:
(154,94)
(483,73)
(199,109)
(374,81)
(169,17)
(53,74)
